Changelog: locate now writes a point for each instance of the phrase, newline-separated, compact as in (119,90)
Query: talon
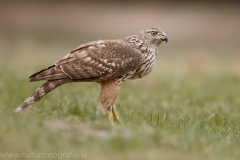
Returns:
(116,115)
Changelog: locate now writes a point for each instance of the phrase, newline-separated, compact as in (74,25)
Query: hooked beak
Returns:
(164,38)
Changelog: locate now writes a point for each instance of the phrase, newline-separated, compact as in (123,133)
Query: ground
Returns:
(166,115)
(187,108)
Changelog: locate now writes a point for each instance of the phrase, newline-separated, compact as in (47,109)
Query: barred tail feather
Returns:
(39,93)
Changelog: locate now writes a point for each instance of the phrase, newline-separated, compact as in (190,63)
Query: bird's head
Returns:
(153,36)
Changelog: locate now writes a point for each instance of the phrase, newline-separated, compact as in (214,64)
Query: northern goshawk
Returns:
(107,62)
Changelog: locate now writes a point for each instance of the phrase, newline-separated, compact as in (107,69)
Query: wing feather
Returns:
(94,61)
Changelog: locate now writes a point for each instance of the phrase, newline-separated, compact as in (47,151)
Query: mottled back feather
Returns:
(93,61)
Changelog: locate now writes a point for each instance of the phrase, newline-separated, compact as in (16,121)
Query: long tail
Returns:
(39,93)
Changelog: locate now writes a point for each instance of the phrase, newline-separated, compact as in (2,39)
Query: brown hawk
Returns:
(107,62)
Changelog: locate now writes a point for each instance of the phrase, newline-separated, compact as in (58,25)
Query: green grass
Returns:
(166,115)
(188,108)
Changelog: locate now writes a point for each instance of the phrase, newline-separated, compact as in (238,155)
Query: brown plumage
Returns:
(107,62)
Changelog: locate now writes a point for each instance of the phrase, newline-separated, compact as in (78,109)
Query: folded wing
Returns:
(94,61)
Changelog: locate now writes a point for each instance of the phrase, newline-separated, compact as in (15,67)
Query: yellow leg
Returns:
(110,116)
(116,115)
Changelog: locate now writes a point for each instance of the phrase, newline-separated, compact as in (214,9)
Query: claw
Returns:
(111,114)
(116,115)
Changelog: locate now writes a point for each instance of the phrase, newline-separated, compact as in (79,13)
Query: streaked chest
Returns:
(147,64)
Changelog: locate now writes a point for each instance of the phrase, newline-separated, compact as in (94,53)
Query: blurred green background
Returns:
(187,108)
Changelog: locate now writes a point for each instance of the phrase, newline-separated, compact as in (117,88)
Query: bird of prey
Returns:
(107,62)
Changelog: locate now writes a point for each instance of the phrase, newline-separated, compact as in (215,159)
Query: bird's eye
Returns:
(154,33)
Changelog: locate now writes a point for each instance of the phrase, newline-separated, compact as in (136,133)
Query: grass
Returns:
(188,108)
(166,115)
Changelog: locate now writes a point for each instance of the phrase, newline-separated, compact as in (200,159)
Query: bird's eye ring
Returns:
(154,33)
